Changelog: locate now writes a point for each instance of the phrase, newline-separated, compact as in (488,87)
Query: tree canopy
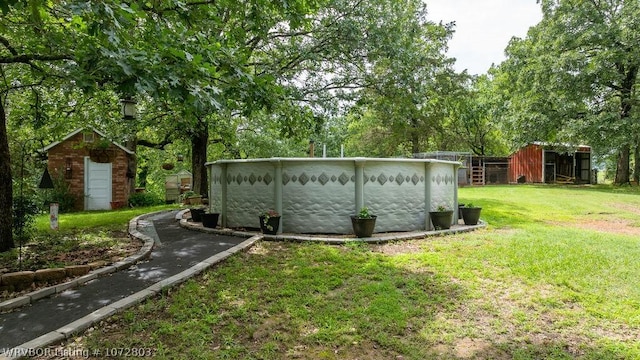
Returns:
(196,54)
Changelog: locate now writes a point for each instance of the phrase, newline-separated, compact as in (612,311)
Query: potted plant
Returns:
(470,214)
(100,152)
(191,198)
(364,223)
(196,214)
(167,166)
(460,206)
(441,218)
(210,220)
(116,205)
(269,222)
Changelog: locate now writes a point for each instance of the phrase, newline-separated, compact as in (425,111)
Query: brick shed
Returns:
(95,168)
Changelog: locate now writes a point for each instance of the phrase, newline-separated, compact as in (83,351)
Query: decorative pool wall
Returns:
(318,195)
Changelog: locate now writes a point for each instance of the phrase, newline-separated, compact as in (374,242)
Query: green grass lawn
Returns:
(556,275)
(108,219)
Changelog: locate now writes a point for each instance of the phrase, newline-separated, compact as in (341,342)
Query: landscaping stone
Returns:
(98,264)
(50,275)
(77,270)
(18,280)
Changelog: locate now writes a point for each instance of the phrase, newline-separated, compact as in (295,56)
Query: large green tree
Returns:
(186,52)
(573,78)
(476,115)
(408,83)
(35,50)
(337,57)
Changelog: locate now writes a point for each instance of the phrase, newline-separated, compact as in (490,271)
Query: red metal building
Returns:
(545,163)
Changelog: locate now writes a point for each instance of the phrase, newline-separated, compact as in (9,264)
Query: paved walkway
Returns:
(173,261)
(175,253)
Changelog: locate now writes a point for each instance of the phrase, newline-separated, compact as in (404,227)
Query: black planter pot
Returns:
(460,206)
(210,220)
(271,226)
(196,214)
(441,219)
(363,227)
(470,215)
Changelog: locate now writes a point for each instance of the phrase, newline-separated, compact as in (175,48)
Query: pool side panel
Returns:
(318,197)
(396,193)
(250,191)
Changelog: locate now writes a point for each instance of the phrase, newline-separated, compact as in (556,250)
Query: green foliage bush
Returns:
(24,211)
(145,199)
(61,194)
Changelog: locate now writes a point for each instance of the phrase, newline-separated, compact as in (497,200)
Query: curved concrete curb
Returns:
(380,238)
(143,253)
(87,321)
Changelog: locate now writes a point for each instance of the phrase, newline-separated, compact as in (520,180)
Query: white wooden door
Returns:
(97,185)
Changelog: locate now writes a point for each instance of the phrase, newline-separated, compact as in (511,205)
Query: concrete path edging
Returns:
(379,238)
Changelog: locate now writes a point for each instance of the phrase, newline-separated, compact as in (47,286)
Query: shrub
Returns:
(145,199)
(24,211)
(61,194)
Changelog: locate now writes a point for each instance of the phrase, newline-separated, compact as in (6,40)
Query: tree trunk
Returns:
(415,144)
(199,143)
(6,187)
(622,170)
(132,163)
(624,156)
(636,163)
(414,137)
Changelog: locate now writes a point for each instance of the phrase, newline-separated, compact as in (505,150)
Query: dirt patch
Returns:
(402,247)
(627,207)
(614,226)
(610,222)
(41,256)
(468,348)
(356,350)
(266,248)
(71,250)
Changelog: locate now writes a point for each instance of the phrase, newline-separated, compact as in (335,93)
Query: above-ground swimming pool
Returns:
(318,195)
